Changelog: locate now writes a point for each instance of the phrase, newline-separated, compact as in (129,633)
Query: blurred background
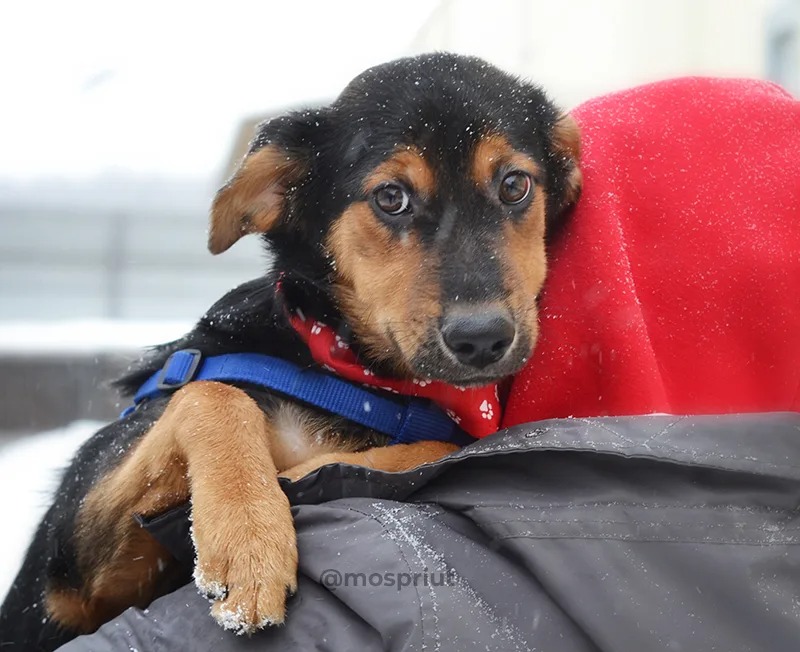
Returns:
(120,120)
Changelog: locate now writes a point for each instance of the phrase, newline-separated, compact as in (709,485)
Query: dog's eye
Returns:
(515,188)
(392,199)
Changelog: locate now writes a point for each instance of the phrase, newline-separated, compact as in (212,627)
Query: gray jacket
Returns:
(617,534)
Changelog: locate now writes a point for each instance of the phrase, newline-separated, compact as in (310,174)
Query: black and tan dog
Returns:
(412,216)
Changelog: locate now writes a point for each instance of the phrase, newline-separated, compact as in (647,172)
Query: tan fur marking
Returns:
(385,286)
(394,459)
(251,202)
(567,137)
(130,578)
(525,264)
(72,611)
(408,166)
(567,142)
(212,441)
(523,255)
(493,151)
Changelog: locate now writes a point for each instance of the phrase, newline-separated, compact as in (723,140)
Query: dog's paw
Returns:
(253,608)
(247,572)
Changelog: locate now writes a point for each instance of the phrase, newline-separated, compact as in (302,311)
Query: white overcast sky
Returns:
(157,87)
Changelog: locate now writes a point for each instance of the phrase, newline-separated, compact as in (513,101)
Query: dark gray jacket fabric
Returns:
(618,534)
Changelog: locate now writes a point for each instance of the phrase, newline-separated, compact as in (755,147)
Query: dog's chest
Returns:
(299,434)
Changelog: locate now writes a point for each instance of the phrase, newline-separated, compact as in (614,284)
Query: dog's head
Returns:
(420,199)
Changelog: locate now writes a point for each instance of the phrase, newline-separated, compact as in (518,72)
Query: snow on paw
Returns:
(210,589)
(252,608)
(248,577)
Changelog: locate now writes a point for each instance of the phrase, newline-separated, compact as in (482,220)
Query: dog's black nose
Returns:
(478,338)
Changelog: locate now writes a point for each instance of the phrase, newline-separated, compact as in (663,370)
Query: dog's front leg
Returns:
(212,443)
(241,522)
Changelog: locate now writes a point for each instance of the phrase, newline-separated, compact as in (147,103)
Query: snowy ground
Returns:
(30,464)
(29,470)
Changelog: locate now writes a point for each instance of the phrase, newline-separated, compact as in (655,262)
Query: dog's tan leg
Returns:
(401,457)
(242,524)
(213,443)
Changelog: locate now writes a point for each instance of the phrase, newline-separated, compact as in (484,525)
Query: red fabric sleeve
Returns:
(675,286)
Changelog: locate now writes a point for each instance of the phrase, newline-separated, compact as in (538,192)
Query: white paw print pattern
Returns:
(421,382)
(341,343)
(453,416)
(367,372)
(316,329)
(487,411)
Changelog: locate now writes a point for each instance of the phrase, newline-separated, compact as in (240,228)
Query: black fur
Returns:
(439,103)
(248,319)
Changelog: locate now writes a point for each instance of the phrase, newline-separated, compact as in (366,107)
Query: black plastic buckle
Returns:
(185,362)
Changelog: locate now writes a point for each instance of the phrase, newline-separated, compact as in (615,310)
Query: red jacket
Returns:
(676,285)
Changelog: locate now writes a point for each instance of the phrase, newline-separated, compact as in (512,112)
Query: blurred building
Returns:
(119,248)
(578,49)
(581,48)
(114,249)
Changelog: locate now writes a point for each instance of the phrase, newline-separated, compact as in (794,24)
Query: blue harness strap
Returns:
(404,421)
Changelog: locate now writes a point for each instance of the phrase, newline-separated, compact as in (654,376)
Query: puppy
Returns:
(410,216)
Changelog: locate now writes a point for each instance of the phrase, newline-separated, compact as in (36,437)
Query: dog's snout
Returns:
(478,338)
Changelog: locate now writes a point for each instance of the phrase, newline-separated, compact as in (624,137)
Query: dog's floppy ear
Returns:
(566,143)
(257,195)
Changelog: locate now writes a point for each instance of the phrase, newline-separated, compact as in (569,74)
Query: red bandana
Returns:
(476,410)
